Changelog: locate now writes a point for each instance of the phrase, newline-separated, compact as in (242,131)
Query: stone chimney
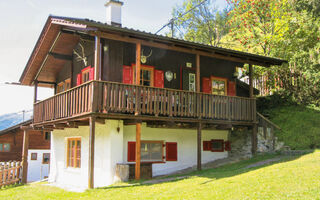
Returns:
(114,12)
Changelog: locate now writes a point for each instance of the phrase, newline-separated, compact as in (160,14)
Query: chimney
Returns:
(114,12)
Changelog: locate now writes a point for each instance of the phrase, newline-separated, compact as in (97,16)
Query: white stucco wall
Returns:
(108,152)
(111,148)
(187,146)
(36,170)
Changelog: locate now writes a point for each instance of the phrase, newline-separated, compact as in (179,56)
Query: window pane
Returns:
(46,158)
(151,151)
(6,147)
(216,145)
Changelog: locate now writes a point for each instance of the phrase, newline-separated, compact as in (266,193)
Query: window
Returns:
(46,158)
(85,73)
(64,85)
(151,151)
(217,145)
(192,82)
(4,147)
(47,136)
(219,85)
(74,152)
(34,156)
(146,76)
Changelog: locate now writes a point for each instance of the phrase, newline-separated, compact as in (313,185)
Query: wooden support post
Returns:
(25,148)
(97,63)
(254,138)
(91,152)
(198,78)
(138,150)
(250,81)
(35,91)
(199,146)
(138,62)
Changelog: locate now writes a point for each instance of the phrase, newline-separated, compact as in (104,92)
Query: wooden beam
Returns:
(186,49)
(97,63)
(199,146)
(250,81)
(138,62)
(198,79)
(100,120)
(91,153)
(60,56)
(35,91)
(138,151)
(25,148)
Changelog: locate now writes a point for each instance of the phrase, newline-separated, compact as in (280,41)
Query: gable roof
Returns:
(55,24)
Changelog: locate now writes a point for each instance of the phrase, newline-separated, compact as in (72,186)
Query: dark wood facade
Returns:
(14,137)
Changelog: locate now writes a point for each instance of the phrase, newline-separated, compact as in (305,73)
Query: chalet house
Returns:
(124,97)
(11,142)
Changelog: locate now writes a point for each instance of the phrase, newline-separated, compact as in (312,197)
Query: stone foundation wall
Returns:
(241,142)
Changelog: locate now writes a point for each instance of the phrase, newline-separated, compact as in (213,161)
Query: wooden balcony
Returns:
(121,101)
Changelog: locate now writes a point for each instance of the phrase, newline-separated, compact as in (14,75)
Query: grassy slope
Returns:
(293,178)
(300,124)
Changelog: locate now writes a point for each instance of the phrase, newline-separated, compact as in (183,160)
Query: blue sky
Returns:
(21,22)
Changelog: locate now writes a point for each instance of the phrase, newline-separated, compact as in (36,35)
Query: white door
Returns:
(38,164)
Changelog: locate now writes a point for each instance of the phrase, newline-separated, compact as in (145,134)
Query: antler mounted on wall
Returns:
(144,57)
(81,56)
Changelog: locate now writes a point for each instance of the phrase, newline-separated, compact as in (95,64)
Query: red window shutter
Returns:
(171,151)
(206,85)
(127,75)
(131,151)
(227,146)
(206,145)
(91,74)
(231,88)
(158,78)
(79,79)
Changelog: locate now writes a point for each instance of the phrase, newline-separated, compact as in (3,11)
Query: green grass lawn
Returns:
(300,125)
(290,178)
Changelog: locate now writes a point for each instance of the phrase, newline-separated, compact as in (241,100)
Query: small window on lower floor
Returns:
(151,151)
(74,152)
(46,158)
(34,156)
(4,147)
(217,145)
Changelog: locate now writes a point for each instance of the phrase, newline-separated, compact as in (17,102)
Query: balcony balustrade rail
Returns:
(109,97)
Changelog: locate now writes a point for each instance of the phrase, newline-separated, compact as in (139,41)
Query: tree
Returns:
(200,21)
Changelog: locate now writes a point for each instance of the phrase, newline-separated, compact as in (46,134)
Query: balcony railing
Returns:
(118,98)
